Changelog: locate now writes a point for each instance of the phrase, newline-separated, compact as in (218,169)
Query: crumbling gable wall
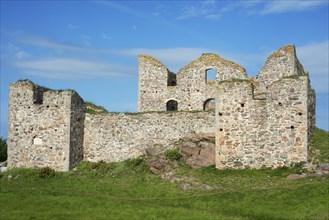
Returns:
(265,122)
(44,126)
(191,89)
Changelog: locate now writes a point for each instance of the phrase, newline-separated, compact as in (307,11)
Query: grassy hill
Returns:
(128,190)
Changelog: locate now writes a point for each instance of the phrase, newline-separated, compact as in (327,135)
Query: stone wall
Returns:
(265,121)
(40,126)
(191,90)
(259,121)
(76,129)
(282,63)
(115,137)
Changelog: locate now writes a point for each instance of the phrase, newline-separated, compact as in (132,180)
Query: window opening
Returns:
(210,75)
(172,105)
(171,79)
(209,104)
(38,96)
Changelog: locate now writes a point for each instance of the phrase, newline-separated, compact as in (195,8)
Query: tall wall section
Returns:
(265,122)
(116,137)
(191,89)
(44,127)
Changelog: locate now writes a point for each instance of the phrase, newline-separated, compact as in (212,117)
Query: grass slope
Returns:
(127,190)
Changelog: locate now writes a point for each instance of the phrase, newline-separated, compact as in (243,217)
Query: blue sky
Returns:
(92,46)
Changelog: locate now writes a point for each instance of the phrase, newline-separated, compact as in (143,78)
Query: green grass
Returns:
(128,190)
(320,146)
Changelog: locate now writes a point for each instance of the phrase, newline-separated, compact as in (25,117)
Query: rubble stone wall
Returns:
(41,130)
(191,90)
(259,121)
(114,137)
(267,121)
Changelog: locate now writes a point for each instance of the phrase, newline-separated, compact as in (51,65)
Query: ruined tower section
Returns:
(190,89)
(196,89)
(266,122)
(45,127)
(153,80)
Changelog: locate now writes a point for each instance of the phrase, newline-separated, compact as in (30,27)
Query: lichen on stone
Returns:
(153,59)
(287,49)
(207,58)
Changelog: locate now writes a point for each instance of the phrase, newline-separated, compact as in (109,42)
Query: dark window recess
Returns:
(242,105)
(210,75)
(38,96)
(172,105)
(171,81)
(209,104)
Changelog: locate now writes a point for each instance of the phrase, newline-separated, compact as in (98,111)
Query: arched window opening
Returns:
(209,104)
(171,79)
(172,105)
(210,75)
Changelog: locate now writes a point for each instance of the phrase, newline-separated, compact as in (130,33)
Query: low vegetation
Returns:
(92,108)
(128,190)
(3,149)
(319,152)
(173,154)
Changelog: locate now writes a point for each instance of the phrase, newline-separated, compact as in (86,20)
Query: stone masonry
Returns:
(263,121)
(45,127)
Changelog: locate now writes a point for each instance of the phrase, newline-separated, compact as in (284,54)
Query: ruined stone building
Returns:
(263,121)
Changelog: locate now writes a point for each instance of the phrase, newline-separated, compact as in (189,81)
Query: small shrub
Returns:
(3,149)
(46,172)
(173,154)
(90,111)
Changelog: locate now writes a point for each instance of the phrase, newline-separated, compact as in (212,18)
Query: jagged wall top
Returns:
(282,63)
(213,59)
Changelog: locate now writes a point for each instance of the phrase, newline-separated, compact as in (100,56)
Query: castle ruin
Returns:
(263,121)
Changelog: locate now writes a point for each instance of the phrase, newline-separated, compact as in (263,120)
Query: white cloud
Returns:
(42,42)
(189,12)
(123,9)
(85,44)
(13,51)
(168,54)
(315,59)
(276,7)
(86,40)
(205,9)
(175,58)
(61,68)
